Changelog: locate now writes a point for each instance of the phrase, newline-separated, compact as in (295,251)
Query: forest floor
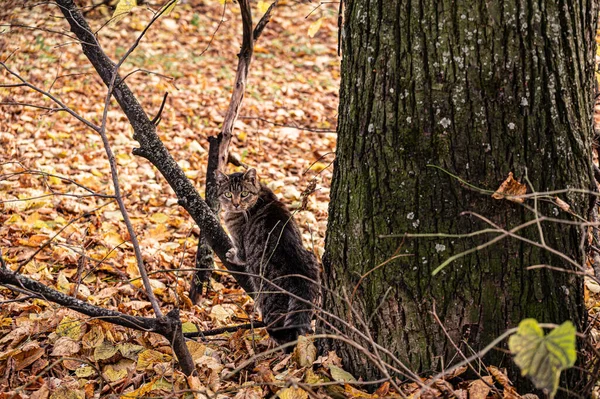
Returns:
(285,130)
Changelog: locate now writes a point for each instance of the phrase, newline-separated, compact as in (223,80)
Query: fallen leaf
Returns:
(104,351)
(339,374)
(305,352)
(65,346)
(479,389)
(292,393)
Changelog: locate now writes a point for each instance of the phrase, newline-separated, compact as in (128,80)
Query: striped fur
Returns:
(268,242)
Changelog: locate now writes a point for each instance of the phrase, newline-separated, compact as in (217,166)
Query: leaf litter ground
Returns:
(48,157)
(47,351)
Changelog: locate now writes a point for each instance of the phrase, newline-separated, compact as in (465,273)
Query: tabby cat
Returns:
(268,244)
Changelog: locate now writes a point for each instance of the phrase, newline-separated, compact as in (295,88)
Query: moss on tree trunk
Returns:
(479,88)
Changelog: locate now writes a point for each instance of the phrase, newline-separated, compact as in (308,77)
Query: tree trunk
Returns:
(479,89)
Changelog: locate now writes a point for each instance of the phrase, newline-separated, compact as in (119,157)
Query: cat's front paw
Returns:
(232,257)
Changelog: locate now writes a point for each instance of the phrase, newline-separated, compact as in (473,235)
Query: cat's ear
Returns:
(221,177)
(250,176)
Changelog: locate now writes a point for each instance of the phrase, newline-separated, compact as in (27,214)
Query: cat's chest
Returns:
(237,225)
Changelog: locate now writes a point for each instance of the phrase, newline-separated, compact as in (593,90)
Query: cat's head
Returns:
(237,192)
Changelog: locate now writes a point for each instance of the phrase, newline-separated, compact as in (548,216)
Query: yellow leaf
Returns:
(112,239)
(159,218)
(6,321)
(314,27)
(262,6)
(14,219)
(158,233)
(113,375)
(69,327)
(222,2)
(197,349)
(62,284)
(170,7)
(149,358)
(292,393)
(189,327)
(129,350)
(339,374)
(85,371)
(123,8)
(104,351)
(318,166)
(115,372)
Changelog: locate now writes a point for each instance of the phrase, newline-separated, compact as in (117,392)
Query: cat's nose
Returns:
(236,205)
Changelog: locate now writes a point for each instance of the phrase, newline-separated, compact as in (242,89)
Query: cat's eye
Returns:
(227,194)
(245,193)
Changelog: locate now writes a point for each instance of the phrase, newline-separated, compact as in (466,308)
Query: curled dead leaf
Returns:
(562,204)
(511,190)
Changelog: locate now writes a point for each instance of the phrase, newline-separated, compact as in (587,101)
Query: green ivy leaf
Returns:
(540,357)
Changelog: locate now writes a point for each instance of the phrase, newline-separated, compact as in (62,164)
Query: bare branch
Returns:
(151,147)
(52,97)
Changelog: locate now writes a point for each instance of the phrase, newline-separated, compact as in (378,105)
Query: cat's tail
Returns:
(303,297)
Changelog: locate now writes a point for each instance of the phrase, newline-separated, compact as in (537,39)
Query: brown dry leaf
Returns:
(196,386)
(479,389)
(456,373)
(562,204)
(93,338)
(383,390)
(265,376)
(197,349)
(42,393)
(292,393)
(352,392)
(509,189)
(249,393)
(65,346)
(16,336)
(27,355)
(65,392)
(502,379)
(305,352)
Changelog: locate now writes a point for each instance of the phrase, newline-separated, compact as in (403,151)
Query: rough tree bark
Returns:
(479,88)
